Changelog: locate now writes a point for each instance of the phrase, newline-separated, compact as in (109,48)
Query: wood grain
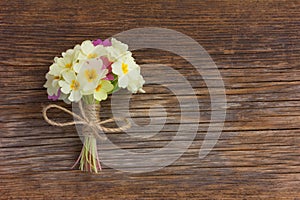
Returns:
(256,46)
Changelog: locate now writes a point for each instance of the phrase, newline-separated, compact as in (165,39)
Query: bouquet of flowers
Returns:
(87,74)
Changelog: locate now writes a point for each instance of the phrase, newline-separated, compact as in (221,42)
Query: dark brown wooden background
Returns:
(256,45)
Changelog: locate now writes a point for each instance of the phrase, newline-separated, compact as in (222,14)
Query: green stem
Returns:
(89,158)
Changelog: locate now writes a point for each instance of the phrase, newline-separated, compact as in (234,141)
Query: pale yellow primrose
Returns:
(52,84)
(90,74)
(89,51)
(117,50)
(70,85)
(100,92)
(128,73)
(65,63)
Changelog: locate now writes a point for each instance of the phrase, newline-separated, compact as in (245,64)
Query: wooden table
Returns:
(256,46)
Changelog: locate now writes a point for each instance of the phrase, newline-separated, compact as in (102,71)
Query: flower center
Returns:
(98,88)
(124,68)
(74,85)
(92,55)
(69,65)
(90,74)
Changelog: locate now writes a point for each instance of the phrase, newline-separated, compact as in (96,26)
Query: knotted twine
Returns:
(89,117)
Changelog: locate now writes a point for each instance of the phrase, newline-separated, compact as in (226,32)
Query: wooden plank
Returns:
(256,46)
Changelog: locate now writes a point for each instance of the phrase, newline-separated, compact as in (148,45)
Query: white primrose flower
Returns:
(54,90)
(71,85)
(52,84)
(128,74)
(67,62)
(117,50)
(136,81)
(90,74)
(89,51)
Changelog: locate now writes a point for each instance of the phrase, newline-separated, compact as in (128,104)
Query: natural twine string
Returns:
(89,117)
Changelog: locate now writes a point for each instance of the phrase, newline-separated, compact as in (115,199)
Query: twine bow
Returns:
(93,122)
